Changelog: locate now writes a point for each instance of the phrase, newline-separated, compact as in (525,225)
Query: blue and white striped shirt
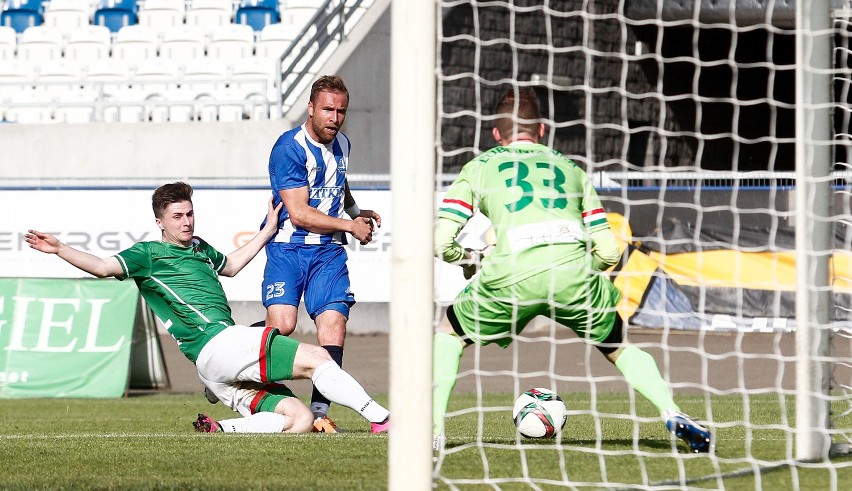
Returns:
(296,161)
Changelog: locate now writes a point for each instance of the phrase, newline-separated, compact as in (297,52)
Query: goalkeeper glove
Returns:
(471,263)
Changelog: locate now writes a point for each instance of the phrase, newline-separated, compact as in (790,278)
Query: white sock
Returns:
(339,387)
(256,423)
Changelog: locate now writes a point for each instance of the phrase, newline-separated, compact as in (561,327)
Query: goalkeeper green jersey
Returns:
(541,204)
(181,284)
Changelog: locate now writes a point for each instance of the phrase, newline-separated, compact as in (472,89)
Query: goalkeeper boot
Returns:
(206,424)
(382,427)
(324,424)
(696,436)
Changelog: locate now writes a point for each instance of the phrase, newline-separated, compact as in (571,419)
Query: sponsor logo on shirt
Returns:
(326,192)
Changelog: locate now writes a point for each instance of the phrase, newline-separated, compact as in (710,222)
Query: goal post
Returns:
(813,227)
(412,149)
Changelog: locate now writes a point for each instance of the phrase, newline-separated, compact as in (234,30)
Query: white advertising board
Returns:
(104,222)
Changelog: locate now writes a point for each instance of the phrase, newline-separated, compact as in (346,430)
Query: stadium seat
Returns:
(114,18)
(208,75)
(256,14)
(209,14)
(298,13)
(8,43)
(86,43)
(31,107)
(66,15)
(275,39)
(40,43)
(156,75)
(254,75)
(20,19)
(75,107)
(108,75)
(17,76)
(231,42)
(161,15)
(182,43)
(135,42)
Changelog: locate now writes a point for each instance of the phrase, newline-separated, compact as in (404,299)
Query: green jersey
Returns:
(181,284)
(541,204)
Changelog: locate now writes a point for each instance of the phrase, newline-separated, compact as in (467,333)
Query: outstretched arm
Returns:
(94,265)
(238,259)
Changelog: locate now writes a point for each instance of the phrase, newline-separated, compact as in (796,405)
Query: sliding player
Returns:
(242,366)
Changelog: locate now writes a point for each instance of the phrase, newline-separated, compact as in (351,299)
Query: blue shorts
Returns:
(318,272)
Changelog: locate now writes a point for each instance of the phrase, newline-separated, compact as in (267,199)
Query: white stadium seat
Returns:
(161,15)
(39,43)
(182,43)
(208,75)
(209,14)
(135,42)
(275,39)
(67,15)
(88,43)
(75,107)
(297,13)
(8,43)
(231,42)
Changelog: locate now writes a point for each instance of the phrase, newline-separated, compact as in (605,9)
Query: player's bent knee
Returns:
(301,419)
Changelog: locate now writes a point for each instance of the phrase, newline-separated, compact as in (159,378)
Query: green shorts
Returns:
(568,294)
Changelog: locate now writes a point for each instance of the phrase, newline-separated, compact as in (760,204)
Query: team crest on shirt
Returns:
(341,164)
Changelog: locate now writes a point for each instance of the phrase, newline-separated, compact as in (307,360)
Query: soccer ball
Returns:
(539,413)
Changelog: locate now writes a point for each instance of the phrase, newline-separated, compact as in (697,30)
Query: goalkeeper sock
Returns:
(339,387)
(256,423)
(446,356)
(641,372)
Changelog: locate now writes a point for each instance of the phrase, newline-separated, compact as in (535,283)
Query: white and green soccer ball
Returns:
(539,413)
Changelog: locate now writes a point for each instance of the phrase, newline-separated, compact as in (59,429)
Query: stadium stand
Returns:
(108,49)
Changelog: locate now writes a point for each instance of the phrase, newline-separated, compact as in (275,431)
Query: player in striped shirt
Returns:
(307,171)
(243,366)
(552,244)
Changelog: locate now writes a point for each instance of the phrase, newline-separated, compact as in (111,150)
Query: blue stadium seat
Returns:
(116,14)
(20,19)
(115,18)
(270,4)
(33,5)
(257,17)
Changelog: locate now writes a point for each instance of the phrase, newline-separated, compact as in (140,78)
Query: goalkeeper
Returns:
(242,365)
(553,242)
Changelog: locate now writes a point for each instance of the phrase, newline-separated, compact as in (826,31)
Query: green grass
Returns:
(147,443)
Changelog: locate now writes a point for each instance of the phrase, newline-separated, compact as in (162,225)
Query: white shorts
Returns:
(229,366)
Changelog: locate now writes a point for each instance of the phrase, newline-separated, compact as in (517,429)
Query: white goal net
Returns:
(684,115)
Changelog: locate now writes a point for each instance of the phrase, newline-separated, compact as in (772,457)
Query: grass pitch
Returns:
(147,442)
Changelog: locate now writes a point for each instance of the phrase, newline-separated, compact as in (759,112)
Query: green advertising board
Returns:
(65,337)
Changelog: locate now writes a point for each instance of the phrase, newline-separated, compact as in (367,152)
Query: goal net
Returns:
(684,115)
